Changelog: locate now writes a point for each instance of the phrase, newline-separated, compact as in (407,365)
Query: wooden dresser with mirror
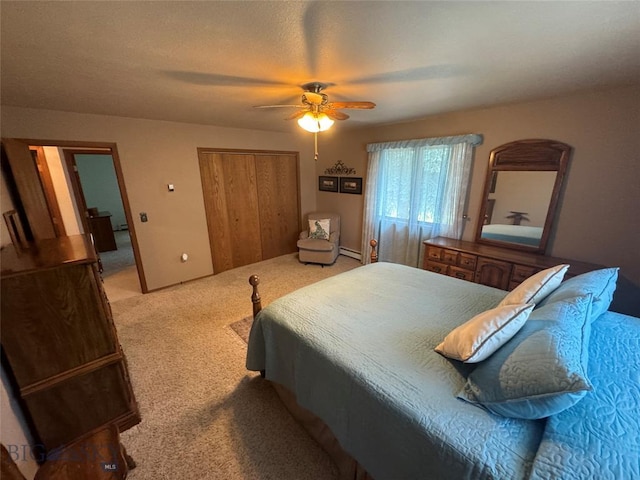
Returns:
(521,194)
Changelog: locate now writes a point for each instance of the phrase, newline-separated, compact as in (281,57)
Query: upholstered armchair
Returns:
(314,245)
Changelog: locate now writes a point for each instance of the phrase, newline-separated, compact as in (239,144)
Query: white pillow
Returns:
(485,333)
(536,287)
(319,228)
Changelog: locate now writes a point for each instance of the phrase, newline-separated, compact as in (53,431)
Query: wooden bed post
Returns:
(254,280)
(374,254)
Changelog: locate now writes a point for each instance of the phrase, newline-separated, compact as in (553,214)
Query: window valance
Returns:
(471,139)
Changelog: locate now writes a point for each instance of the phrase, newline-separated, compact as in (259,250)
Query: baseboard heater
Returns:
(347,252)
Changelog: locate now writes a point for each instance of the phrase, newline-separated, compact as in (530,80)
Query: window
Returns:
(412,182)
(416,189)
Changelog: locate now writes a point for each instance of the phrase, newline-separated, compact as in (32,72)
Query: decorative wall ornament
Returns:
(340,169)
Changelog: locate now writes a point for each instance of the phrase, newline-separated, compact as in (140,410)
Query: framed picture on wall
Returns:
(328,184)
(351,185)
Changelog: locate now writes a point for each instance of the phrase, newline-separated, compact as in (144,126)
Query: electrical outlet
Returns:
(143,217)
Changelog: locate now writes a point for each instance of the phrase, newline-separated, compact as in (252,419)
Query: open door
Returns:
(22,169)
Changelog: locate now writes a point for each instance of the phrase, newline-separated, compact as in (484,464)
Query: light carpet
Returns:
(204,416)
(117,260)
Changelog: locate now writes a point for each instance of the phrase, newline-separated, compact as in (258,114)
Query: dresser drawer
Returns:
(434,253)
(461,273)
(436,267)
(450,257)
(521,272)
(467,261)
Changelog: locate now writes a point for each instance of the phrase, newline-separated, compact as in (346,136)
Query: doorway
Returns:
(94,184)
(98,205)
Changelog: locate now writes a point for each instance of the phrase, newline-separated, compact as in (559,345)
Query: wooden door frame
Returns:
(107,148)
(76,184)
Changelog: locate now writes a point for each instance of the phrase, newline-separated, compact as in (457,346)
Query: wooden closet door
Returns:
(278,198)
(231,205)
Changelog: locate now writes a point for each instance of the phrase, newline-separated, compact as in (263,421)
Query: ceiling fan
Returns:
(316,111)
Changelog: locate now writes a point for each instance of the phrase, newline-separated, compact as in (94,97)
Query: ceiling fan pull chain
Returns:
(315,135)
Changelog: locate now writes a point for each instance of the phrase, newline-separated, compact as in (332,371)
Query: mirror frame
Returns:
(527,155)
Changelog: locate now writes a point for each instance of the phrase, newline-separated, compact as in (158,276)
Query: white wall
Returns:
(61,186)
(13,432)
(154,153)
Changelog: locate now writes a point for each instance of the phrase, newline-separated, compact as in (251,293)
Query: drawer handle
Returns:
(460,275)
(437,269)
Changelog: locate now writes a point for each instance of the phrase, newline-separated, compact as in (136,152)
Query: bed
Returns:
(513,233)
(356,353)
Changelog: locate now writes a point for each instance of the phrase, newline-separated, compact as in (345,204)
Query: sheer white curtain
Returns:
(416,189)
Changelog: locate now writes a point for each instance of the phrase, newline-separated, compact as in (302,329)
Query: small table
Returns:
(102,231)
(100,456)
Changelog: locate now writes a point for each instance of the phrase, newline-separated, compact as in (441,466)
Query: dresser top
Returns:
(513,256)
(48,253)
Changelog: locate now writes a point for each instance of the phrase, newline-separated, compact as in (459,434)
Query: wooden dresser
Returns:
(493,266)
(59,342)
(102,230)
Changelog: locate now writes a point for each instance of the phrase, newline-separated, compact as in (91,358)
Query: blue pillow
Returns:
(542,370)
(599,283)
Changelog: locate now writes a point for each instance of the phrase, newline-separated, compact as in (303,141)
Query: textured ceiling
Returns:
(209,62)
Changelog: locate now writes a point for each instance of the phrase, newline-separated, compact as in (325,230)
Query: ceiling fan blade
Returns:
(297,115)
(279,106)
(335,114)
(364,105)
(220,80)
(413,74)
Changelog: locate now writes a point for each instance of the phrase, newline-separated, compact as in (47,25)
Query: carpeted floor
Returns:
(204,415)
(117,260)
(120,275)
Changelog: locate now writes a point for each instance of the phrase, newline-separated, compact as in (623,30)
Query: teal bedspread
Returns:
(357,351)
(599,437)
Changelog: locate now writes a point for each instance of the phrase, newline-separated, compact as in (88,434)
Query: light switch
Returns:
(170,187)
(143,217)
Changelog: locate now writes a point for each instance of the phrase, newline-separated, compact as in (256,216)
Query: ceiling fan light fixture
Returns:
(315,122)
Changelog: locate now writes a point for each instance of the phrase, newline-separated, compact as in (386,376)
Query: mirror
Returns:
(521,194)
